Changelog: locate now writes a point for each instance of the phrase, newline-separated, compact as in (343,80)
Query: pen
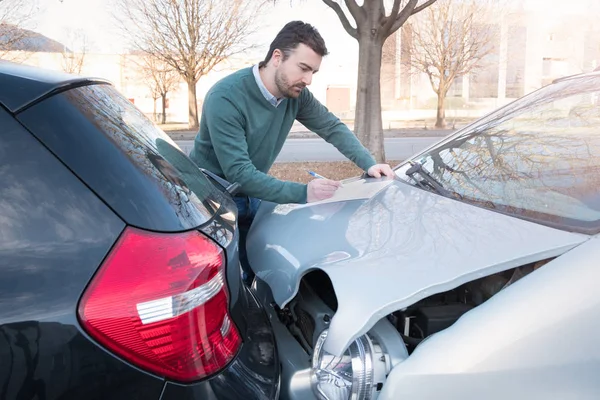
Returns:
(320,176)
(316,175)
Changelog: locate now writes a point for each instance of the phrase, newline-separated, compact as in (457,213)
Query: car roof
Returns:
(23,85)
(595,72)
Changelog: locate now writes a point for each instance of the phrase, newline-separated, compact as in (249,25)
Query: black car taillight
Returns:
(160,301)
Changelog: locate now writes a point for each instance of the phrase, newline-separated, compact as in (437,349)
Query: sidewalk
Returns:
(180,131)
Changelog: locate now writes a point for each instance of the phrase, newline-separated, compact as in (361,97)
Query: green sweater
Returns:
(241,134)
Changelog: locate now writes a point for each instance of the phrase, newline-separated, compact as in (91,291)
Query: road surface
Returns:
(295,150)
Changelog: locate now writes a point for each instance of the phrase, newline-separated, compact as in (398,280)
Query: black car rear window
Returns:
(125,159)
(142,140)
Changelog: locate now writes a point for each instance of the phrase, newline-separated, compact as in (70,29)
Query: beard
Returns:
(286,88)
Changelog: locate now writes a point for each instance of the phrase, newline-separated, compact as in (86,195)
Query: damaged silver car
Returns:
(472,274)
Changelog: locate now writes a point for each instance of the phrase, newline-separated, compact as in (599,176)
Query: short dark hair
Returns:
(293,34)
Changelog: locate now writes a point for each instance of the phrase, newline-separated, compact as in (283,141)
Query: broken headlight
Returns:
(354,375)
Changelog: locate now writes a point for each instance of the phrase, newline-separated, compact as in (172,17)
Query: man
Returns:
(247,116)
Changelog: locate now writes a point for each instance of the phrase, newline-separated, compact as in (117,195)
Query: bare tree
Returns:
(373,24)
(160,78)
(191,36)
(15,15)
(450,40)
(74,51)
(388,59)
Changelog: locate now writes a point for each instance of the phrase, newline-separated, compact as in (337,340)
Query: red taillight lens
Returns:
(160,302)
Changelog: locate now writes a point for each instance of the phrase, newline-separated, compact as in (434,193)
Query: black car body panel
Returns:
(54,234)
(78,164)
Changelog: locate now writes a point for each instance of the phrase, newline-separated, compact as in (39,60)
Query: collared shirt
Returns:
(270,98)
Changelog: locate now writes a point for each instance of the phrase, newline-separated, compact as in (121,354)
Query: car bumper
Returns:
(253,374)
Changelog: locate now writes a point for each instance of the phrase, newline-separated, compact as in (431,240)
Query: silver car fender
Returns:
(537,339)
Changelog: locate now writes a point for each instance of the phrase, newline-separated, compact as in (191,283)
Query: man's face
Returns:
(296,72)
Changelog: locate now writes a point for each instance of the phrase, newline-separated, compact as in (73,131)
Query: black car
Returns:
(119,270)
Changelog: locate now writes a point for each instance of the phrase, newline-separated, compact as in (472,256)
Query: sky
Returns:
(57,17)
(93,17)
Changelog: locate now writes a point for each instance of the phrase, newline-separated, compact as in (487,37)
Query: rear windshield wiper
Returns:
(427,177)
(231,188)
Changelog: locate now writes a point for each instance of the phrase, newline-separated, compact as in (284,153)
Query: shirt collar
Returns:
(270,98)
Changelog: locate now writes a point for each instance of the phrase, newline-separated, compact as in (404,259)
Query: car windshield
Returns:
(537,158)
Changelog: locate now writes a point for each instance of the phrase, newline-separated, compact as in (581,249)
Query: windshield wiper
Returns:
(427,177)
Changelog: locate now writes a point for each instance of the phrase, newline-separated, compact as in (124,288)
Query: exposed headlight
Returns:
(355,375)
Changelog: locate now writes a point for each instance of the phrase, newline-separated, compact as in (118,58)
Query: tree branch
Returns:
(340,13)
(15,15)
(448,41)
(423,6)
(189,36)
(392,17)
(357,11)
(403,15)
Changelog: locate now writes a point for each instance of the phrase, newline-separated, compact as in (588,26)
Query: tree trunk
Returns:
(192,105)
(367,121)
(154,111)
(164,108)
(440,120)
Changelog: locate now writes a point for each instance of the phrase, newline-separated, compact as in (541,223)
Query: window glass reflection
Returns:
(538,158)
(187,189)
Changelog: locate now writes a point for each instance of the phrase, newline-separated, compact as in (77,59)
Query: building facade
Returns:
(528,53)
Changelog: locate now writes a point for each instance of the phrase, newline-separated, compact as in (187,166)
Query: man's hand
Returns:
(321,189)
(380,169)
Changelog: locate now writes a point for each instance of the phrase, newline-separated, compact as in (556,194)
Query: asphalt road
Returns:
(295,150)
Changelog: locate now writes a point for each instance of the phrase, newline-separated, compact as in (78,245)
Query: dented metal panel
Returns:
(386,246)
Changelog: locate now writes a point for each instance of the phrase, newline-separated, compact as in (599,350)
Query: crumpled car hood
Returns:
(385,245)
